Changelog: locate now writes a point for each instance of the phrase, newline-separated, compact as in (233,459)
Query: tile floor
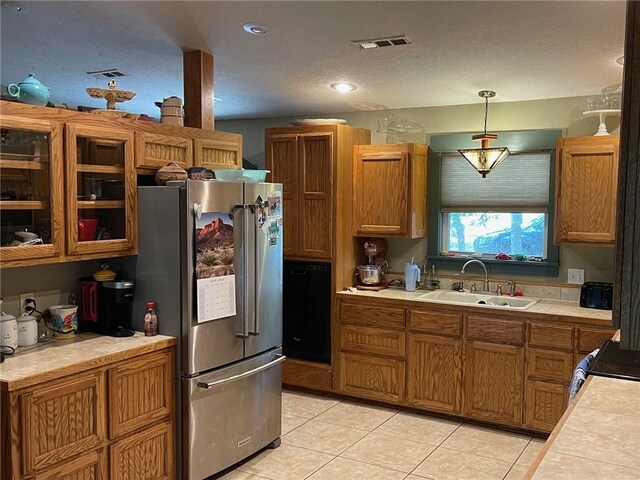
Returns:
(325,438)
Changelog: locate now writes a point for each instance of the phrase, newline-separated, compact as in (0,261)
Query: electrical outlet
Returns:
(575,275)
(23,300)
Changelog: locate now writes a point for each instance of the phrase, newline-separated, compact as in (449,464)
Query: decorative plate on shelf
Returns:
(307,122)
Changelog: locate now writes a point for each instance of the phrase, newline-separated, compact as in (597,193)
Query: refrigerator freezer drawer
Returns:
(231,413)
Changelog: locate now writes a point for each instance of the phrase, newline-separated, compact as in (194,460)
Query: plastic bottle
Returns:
(150,320)
(434,279)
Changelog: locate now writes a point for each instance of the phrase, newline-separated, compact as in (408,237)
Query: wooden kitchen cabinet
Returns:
(494,382)
(32,188)
(390,190)
(311,163)
(154,151)
(586,190)
(545,404)
(101,190)
(218,154)
(58,428)
(434,378)
(62,420)
(376,378)
(145,455)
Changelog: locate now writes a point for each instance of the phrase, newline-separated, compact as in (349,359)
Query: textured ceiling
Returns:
(524,50)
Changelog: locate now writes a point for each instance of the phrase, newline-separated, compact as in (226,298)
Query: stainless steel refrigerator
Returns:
(210,256)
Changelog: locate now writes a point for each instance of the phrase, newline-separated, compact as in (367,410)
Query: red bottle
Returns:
(150,320)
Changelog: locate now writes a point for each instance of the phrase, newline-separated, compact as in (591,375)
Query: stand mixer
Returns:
(371,276)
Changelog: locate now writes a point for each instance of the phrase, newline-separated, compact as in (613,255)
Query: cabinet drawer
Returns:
(549,365)
(591,338)
(442,323)
(495,331)
(140,392)
(371,316)
(148,454)
(62,421)
(550,336)
(372,340)
(372,377)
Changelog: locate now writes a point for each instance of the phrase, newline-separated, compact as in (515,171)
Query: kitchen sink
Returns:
(447,296)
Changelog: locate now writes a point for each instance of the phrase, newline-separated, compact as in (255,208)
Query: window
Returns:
(506,212)
(510,211)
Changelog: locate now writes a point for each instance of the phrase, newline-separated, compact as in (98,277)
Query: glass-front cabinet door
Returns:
(101,190)
(31,190)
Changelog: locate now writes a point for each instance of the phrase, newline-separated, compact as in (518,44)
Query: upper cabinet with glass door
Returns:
(31,198)
(101,190)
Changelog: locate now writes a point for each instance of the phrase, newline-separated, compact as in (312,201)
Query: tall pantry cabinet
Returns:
(314,164)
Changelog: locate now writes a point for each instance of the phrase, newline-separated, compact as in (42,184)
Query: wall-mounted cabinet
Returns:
(31,189)
(586,190)
(390,190)
(68,179)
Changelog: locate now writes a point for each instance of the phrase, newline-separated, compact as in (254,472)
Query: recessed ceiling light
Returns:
(344,87)
(620,60)
(255,28)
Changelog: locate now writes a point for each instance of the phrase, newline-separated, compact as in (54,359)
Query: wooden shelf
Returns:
(23,164)
(100,169)
(22,205)
(84,204)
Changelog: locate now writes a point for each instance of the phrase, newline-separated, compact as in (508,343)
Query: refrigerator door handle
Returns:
(258,280)
(279,359)
(245,259)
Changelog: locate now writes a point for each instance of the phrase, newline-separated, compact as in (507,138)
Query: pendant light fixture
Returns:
(484,159)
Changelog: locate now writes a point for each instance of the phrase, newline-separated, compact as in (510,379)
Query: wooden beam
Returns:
(198,89)
(626,305)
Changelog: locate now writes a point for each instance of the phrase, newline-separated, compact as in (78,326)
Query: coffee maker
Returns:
(371,276)
(105,307)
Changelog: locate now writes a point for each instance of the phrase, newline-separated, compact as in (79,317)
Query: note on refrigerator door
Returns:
(215,271)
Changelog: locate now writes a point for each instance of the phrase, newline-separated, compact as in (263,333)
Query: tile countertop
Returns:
(60,358)
(598,436)
(545,309)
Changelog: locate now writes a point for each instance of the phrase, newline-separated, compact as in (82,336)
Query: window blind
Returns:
(520,182)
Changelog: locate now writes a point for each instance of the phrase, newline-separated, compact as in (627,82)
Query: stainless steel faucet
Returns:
(486,276)
(512,288)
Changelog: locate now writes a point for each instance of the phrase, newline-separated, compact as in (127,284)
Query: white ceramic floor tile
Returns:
(285,463)
(389,452)
(487,442)
(305,405)
(444,464)
(419,428)
(357,415)
(517,472)
(530,452)
(238,475)
(344,469)
(289,422)
(323,437)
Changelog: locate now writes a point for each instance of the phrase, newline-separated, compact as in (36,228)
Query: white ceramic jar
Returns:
(8,331)
(27,330)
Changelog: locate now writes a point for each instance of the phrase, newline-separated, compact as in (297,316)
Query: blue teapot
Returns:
(30,90)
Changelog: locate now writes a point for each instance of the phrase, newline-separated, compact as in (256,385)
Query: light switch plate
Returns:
(575,276)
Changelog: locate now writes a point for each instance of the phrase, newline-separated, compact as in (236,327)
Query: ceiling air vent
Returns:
(395,41)
(109,73)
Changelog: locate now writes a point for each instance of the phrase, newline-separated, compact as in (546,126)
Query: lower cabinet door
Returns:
(91,466)
(62,421)
(140,392)
(544,404)
(147,455)
(435,373)
(372,377)
(494,382)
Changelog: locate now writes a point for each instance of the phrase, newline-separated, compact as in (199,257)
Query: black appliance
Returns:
(105,307)
(615,363)
(307,311)
(597,295)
